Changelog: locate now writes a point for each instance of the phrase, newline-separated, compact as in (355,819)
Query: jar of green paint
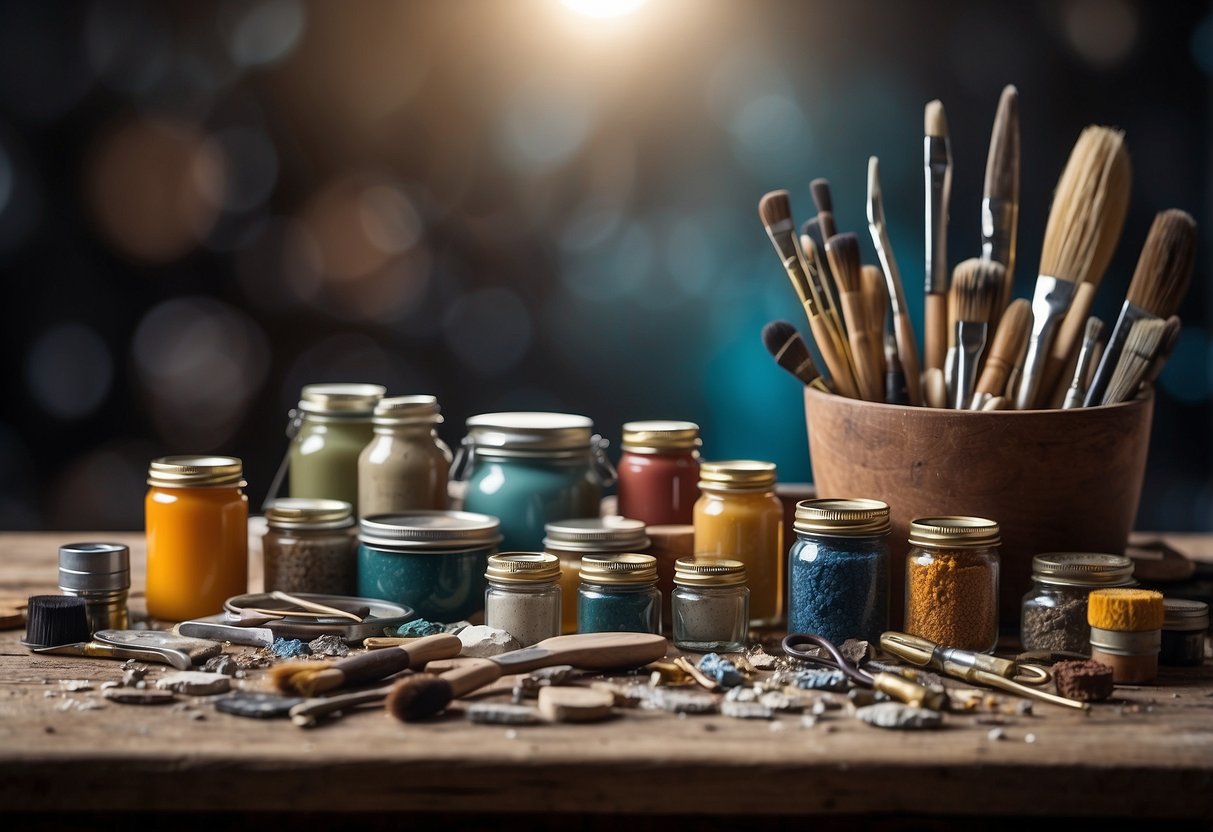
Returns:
(333,426)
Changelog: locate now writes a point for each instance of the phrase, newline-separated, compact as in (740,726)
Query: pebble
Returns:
(482,642)
(720,670)
(289,648)
(628,695)
(898,716)
(527,687)
(416,629)
(79,705)
(995,734)
(221,664)
(139,696)
(1086,681)
(833,680)
(256,705)
(684,702)
(575,704)
(133,675)
(195,683)
(742,695)
(329,645)
(746,710)
(777,701)
(1029,738)
(75,685)
(498,713)
(761,659)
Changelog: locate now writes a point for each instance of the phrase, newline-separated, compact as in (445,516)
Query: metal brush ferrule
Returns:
(1050,302)
(783,236)
(999,221)
(1075,392)
(970,341)
(937,170)
(1130,313)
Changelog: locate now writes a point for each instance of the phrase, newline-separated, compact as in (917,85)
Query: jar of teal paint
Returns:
(431,561)
(529,469)
(619,594)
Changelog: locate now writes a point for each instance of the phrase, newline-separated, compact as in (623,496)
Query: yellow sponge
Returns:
(1126,610)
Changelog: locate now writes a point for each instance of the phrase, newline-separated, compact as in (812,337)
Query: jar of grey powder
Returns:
(523,596)
(1054,612)
(711,605)
(309,546)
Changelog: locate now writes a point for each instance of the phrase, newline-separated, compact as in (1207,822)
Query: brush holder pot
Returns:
(1054,480)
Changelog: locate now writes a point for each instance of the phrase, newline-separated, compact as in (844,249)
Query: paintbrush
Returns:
(876,305)
(775,211)
(1090,341)
(894,375)
(425,694)
(1142,345)
(843,253)
(825,228)
(313,678)
(1160,282)
(1166,346)
(1000,193)
(815,261)
(937,170)
(785,344)
(934,387)
(907,345)
(977,284)
(1084,224)
(1010,340)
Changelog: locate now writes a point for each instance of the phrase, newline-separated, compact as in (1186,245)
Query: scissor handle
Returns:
(1030,674)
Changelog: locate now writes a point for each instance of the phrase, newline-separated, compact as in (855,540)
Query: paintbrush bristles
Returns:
(1164,268)
(787,346)
(934,122)
(978,285)
(843,252)
(1002,162)
(1140,349)
(775,207)
(820,188)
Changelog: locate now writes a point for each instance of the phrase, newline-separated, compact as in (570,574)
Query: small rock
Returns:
(742,695)
(482,642)
(289,648)
(778,701)
(256,705)
(1023,707)
(558,704)
(775,727)
(1029,738)
(197,716)
(135,696)
(996,734)
(720,670)
(745,710)
(111,684)
(1086,681)
(456,628)
(856,651)
(628,695)
(75,685)
(222,663)
(761,659)
(808,721)
(898,716)
(498,713)
(833,680)
(684,702)
(416,628)
(329,645)
(133,675)
(195,683)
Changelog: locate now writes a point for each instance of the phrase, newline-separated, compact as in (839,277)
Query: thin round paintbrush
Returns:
(1160,282)
(937,170)
(823,200)
(1090,340)
(1000,193)
(1085,221)
(786,345)
(1166,346)
(314,678)
(1010,340)
(977,284)
(843,252)
(818,264)
(876,304)
(1140,349)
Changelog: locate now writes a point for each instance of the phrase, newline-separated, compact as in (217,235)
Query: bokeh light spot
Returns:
(1188,374)
(604,8)
(1202,44)
(390,220)
(251,165)
(544,126)
(769,130)
(489,330)
(1102,32)
(128,45)
(266,31)
(616,268)
(69,370)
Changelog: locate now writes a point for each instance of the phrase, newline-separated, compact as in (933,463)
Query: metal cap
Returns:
(85,567)
(612,533)
(845,518)
(1183,614)
(1082,569)
(523,567)
(529,432)
(627,568)
(737,475)
(303,513)
(406,410)
(430,530)
(340,399)
(1126,642)
(195,471)
(954,532)
(709,572)
(657,435)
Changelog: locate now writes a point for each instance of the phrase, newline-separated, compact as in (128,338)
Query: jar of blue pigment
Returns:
(619,594)
(838,569)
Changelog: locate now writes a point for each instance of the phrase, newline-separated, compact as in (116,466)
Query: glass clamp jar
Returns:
(738,516)
(711,605)
(659,472)
(405,466)
(530,469)
(523,597)
(838,570)
(571,540)
(100,573)
(309,546)
(334,425)
(618,593)
(951,594)
(196,516)
(1184,625)
(1053,616)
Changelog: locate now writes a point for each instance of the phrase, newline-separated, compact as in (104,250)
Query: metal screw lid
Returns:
(340,399)
(523,567)
(612,533)
(529,432)
(448,530)
(655,436)
(954,532)
(1082,569)
(406,410)
(85,567)
(844,518)
(195,471)
(709,572)
(629,568)
(303,513)
(737,475)
(1185,614)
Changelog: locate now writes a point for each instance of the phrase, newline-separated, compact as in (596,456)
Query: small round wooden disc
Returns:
(559,704)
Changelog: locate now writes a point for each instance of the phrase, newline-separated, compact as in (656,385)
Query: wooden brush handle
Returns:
(1065,345)
(907,350)
(587,651)
(378,664)
(472,675)
(840,370)
(304,714)
(936,326)
(871,384)
(994,376)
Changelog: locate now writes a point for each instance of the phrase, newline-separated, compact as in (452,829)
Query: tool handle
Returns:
(304,714)
(374,665)
(907,350)
(840,371)
(869,380)
(471,675)
(935,313)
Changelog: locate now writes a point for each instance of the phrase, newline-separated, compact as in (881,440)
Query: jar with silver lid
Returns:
(309,546)
(406,466)
(100,573)
(523,597)
(1053,616)
(1184,625)
(571,540)
(711,605)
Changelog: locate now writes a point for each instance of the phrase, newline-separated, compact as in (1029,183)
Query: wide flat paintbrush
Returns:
(1084,224)
(903,330)
(1141,347)
(977,284)
(1166,346)
(1160,282)
(937,170)
(1000,192)
(786,345)
(1090,341)
(313,678)
(1010,340)
(843,252)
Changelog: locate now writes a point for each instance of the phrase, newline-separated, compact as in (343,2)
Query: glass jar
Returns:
(619,594)
(334,425)
(1053,616)
(571,540)
(711,605)
(309,546)
(1184,625)
(738,516)
(405,467)
(196,516)
(530,469)
(952,582)
(523,597)
(430,561)
(659,472)
(838,570)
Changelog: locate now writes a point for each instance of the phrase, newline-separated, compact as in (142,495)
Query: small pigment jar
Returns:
(1183,632)
(619,594)
(1126,632)
(523,597)
(952,582)
(100,573)
(1053,615)
(711,605)
(309,546)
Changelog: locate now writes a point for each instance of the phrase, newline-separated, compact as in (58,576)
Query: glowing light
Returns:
(604,8)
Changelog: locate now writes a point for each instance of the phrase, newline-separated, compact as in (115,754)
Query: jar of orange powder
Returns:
(196,516)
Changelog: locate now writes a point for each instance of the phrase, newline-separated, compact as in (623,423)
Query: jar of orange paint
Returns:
(196,515)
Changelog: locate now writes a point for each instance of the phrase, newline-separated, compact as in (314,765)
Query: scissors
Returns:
(800,646)
(1005,674)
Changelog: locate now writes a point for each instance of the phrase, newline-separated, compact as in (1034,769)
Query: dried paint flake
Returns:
(289,648)
(720,670)
(832,680)
(329,645)
(416,629)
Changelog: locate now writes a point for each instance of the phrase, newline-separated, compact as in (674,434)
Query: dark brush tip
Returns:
(418,697)
(52,620)
(822,197)
(776,334)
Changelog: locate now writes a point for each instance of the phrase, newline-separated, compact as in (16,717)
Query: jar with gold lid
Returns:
(1053,615)
(951,591)
(739,517)
(405,466)
(618,593)
(310,546)
(333,425)
(711,605)
(659,472)
(523,596)
(571,540)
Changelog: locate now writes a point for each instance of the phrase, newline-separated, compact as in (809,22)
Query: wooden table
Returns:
(1148,755)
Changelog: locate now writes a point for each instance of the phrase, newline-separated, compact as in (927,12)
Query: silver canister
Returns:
(100,573)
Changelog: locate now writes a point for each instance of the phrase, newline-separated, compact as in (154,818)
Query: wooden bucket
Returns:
(1055,480)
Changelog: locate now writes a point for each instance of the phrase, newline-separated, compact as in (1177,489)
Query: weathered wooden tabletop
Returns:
(1147,754)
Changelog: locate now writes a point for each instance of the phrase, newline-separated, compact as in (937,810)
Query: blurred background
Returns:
(539,205)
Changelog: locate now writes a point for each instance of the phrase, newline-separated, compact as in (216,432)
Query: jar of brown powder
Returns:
(952,582)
